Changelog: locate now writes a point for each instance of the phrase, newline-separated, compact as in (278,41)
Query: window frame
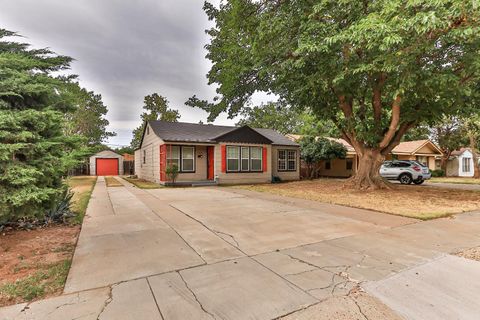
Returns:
(243,158)
(287,160)
(240,158)
(347,162)
(466,165)
(180,157)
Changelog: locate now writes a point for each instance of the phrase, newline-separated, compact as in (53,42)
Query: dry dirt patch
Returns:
(472,253)
(35,263)
(420,202)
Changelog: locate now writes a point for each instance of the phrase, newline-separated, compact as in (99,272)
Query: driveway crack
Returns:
(107,301)
(196,298)
(228,235)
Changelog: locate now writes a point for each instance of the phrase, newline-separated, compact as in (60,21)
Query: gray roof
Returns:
(206,133)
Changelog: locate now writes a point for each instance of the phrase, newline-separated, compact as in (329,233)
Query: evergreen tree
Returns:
(34,152)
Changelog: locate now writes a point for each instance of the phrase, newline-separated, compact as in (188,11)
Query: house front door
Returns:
(210,162)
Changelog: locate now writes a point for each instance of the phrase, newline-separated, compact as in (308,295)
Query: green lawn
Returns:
(458,180)
(48,279)
(82,188)
(143,184)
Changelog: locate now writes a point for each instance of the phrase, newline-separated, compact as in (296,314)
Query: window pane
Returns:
(282,154)
(232,164)
(187,165)
(282,165)
(187,152)
(171,162)
(233,152)
(173,152)
(291,164)
(245,154)
(256,165)
(256,152)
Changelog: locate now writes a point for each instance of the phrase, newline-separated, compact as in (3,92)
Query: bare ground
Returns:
(420,202)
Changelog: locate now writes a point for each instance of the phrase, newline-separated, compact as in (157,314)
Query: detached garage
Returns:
(106,163)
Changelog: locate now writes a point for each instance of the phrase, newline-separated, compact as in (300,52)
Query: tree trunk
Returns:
(473,148)
(368,175)
(444,162)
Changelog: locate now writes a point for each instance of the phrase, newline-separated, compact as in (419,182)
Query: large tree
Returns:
(34,152)
(88,118)
(376,68)
(156,108)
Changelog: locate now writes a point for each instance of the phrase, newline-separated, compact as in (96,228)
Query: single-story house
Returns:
(106,163)
(424,151)
(210,154)
(461,163)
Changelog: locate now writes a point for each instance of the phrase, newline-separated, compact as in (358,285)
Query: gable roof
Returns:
(460,151)
(209,133)
(406,147)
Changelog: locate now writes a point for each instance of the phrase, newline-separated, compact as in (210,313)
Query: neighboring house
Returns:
(106,163)
(215,154)
(424,151)
(461,163)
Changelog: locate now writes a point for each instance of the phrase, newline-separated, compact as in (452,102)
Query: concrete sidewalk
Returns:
(216,253)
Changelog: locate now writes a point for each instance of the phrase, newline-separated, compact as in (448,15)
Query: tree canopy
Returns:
(34,152)
(156,108)
(375,68)
(88,118)
(314,149)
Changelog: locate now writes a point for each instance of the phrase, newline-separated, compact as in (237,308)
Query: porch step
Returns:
(204,183)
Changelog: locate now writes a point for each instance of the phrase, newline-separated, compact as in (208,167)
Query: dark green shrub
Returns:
(438,173)
(172,172)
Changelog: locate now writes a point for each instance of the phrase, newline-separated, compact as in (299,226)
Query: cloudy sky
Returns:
(124,50)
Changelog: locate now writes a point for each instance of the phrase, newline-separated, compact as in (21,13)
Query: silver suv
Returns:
(405,171)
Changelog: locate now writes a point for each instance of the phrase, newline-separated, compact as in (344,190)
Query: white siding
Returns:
(150,169)
(468,157)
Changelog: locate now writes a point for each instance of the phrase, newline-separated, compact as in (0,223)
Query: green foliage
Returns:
(88,119)
(438,173)
(273,116)
(172,172)
(284,119)
(35,153)
(449,134)
(315,149)
(156,107)
(50,278)
(61,211)
(123,150)
(375,68)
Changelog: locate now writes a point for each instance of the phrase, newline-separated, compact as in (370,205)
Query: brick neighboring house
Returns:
(210,154)
(423,151)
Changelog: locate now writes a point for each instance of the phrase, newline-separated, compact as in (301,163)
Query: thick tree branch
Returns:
(394,122)
(404,127)
(377,98)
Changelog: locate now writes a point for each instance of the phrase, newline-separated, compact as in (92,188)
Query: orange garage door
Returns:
(107,167)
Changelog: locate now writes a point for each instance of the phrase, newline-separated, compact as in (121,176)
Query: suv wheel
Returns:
(405,178)
(419,181)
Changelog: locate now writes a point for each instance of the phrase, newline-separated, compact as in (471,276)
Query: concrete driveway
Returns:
(222,253)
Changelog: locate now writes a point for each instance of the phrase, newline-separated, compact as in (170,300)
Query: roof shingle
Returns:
(206,133)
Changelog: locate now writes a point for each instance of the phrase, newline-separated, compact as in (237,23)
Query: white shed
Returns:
(461,163)
(106,163)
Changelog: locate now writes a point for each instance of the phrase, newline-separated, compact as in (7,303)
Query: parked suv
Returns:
(405,171)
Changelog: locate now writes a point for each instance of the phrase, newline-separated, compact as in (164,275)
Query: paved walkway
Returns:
(223,253)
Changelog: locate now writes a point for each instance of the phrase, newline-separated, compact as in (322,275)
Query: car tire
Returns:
(405,178)
(419,181)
